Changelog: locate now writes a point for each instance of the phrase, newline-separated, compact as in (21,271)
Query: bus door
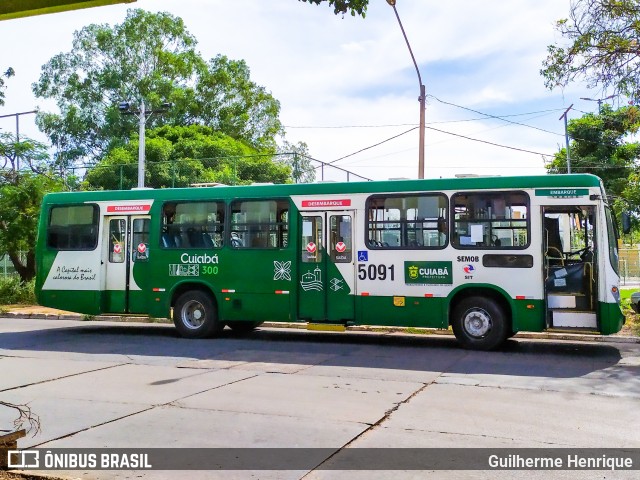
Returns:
(326,267)
(125,260)
(570,266)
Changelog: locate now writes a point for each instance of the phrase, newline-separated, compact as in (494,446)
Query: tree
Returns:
(20,200)
(598,146)
(9,72)
(603,47)
(32,153)
(180,156)
(297,158)
(355,7)
(24,179)
(150,56)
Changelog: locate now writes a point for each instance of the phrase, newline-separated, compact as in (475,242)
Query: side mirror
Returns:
(626,222)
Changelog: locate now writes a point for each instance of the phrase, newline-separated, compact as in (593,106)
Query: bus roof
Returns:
(441,184)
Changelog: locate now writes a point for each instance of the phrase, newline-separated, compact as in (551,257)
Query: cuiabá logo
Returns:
(430,272)
(413,271)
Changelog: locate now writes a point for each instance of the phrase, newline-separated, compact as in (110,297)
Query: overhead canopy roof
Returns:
(25,8)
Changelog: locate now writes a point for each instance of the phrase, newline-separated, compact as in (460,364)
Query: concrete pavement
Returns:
(105,384)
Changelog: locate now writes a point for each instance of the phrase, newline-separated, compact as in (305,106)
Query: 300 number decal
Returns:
(209,269)
(375,272)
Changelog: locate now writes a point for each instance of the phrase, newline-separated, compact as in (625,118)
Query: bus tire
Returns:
(480,323)
(241,326)
(195,315)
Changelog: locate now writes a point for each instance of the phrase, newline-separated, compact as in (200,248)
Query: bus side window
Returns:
(259,223)
(192,225)
(73,227)
(410,221)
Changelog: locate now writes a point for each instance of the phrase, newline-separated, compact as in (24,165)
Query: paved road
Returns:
(100,384)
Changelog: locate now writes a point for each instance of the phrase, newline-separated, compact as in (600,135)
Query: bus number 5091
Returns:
(375,272)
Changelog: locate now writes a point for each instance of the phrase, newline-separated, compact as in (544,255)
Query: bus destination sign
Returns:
(562,192)
(326,203)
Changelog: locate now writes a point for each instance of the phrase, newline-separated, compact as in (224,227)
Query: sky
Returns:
(347,85)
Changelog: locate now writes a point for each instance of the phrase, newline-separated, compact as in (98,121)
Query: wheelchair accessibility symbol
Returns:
(363,256)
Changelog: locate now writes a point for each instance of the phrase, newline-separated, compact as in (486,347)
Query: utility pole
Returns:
(142,113)
(421,98)
(566,137)
(17,115)
(142,117)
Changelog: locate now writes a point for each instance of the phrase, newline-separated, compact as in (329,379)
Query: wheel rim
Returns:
(477,322)
(193,314)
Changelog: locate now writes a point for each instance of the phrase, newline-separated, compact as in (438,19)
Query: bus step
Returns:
(326,327)
(580,319)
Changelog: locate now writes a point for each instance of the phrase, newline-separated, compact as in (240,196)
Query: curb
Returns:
(579,337)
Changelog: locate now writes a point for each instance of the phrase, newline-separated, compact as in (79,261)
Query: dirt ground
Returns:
(4,475)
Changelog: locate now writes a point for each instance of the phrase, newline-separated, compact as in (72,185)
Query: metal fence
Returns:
(186,172)
(6,267)
(630,266)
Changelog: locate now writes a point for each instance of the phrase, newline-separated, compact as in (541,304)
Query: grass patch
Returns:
(13,292)
(632,324)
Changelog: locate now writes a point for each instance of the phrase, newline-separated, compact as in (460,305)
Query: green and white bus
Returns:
(486,256)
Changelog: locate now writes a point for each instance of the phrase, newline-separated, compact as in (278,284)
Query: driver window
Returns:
(569,234)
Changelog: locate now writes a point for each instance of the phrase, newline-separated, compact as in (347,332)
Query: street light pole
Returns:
(566,137)
(142,113)
(599,100)
(141,144)
(421,98)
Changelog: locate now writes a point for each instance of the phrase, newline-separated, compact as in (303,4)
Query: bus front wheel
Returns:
(195,315)
(479,323)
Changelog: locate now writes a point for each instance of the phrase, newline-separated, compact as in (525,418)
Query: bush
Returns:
(12,291)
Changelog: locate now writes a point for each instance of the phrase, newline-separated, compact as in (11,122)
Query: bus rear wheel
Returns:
(479,323)
(195,315)
(240,326)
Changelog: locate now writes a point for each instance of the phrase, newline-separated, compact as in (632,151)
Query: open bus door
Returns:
(570,267)
(125,258)
(326,267)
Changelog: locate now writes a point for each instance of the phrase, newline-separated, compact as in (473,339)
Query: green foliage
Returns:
(603,47)
(13,291)
(149,56)
(598,146)
(20,199)
(10,72)
(25,153)
(355,7)
(181,156)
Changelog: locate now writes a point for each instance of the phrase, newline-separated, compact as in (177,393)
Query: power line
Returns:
(371,146)
(490,143)
(503,118)
(338,127)
(447,133)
